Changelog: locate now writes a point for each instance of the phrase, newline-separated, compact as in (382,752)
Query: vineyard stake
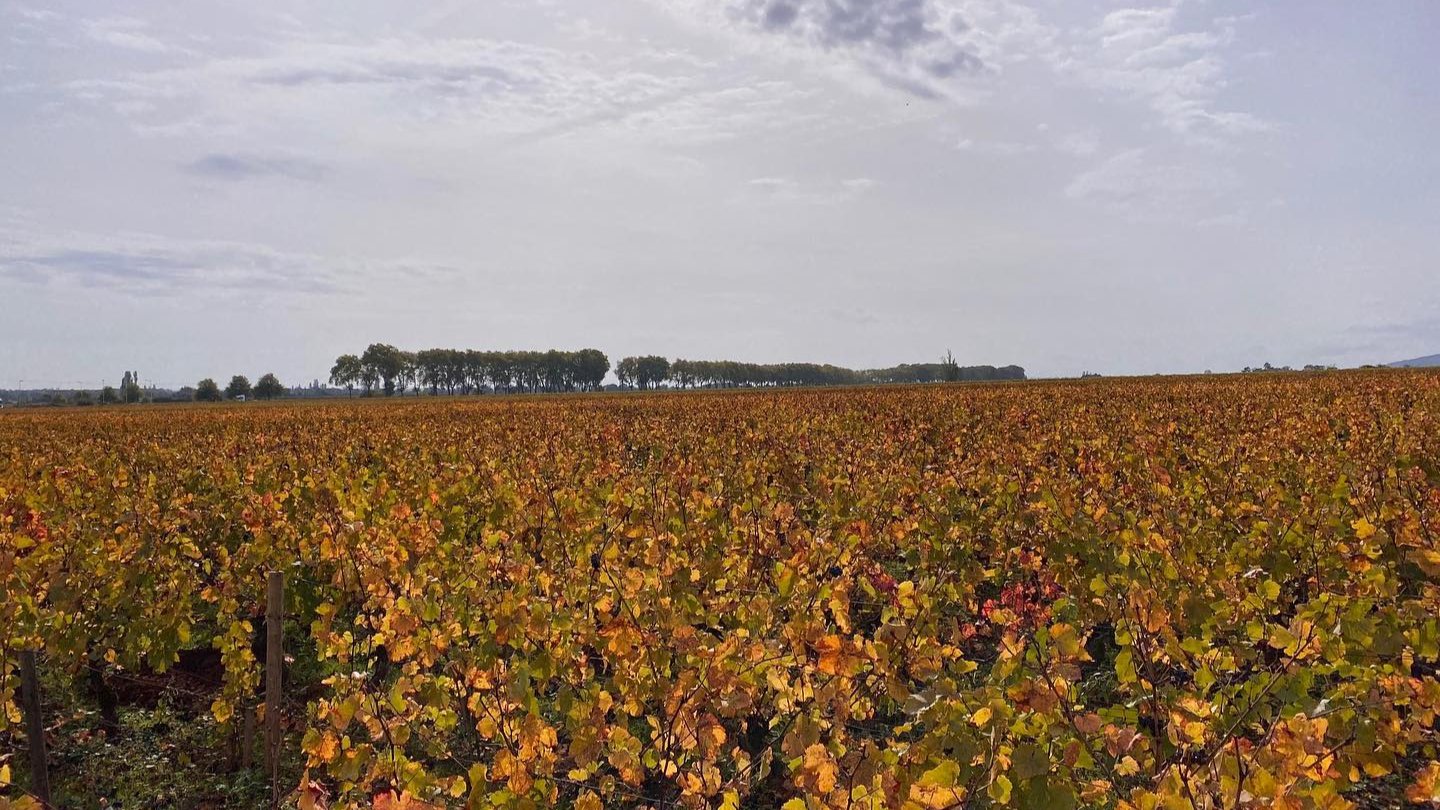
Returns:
(274,662)
(247,737)
(34,727)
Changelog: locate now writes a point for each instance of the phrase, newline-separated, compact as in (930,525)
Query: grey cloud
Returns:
(780,14)
(224,166)
(897,25)
(908,44)
(497,86)
(148,265)
(101,265)
(392,74)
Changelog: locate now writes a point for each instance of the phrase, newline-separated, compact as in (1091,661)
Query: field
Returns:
(1179,592)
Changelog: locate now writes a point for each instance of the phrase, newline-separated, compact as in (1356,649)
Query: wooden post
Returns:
(247,736)
(274,670)
(34,727)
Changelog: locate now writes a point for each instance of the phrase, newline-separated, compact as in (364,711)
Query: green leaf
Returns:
(999,790)
(1029,761)
(1125,667)
(942,775)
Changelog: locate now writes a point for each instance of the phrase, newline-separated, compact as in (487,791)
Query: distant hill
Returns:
(1419,362)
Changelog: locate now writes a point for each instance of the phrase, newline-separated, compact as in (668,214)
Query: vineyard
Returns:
(1168,593)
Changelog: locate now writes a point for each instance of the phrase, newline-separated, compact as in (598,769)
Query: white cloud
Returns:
(128,33)
(482,86)
(995,148)
(1143,187)
(1079,144)
(788,190)
(37,15)
(962,49)
(1142,54)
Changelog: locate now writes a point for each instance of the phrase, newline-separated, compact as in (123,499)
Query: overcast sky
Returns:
(201,189)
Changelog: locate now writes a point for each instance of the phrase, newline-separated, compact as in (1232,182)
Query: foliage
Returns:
(381,362)
(269,387)
(730,374)
(207,391)
(643,372)
(347,372)
(239,387)
(130,387)
(1199,592)
(452,371)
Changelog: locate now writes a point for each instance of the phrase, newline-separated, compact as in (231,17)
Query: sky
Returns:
(205,189)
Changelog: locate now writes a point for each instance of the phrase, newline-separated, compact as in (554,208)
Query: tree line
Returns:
(385,368)
(207,390)
(267,387)
(652,371)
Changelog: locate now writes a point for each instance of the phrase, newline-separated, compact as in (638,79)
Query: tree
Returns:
(239,387)
(207,391)
(643,372)
(347,372)
(382,362)
(433,370)
(409,376)
(949,369)
(591,366)
(109,396)
(269,387)
(685,373)
(626,371)
(130,387)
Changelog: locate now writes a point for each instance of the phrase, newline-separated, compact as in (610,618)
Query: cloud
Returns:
(499,87)
(1078,144)
(1141,187)
(898,26)
(34,14)
(789,190)
(917,46)
(151,265)
(226,166)
(724,114)
(958,49)
(994,148)
(127,33)
(1143,54)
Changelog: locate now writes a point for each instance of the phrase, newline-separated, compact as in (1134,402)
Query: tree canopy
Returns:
(239,387)
(207,390)
(465,371)
(460,371)
(269,387)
